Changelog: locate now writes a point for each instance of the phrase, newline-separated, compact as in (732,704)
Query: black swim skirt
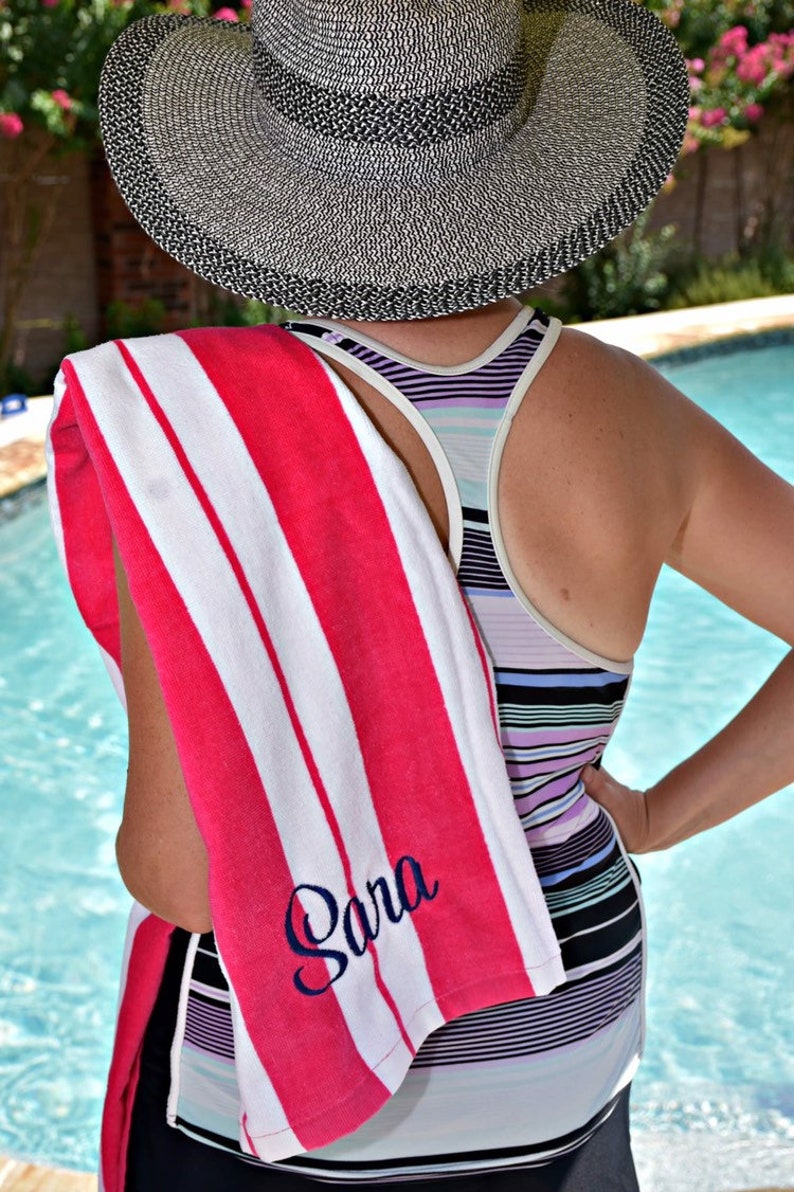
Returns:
(164,1159)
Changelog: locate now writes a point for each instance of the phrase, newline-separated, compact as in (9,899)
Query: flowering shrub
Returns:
(731,87)
(740,55)
(51,54)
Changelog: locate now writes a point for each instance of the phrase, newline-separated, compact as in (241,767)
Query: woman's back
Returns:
(572,1051)
(593,483)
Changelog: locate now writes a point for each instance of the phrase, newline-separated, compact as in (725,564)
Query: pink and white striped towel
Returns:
(333,711)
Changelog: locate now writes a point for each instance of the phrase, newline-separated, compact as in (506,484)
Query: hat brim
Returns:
(190,158)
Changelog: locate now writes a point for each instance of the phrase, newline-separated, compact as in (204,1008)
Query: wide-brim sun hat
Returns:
(392,159)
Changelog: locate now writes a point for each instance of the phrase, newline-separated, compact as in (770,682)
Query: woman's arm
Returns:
(752,757)
(161,855)
(737,541)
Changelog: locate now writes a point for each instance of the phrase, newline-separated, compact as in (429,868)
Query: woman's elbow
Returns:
(167,890)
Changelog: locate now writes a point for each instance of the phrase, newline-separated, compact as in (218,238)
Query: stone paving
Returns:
(674,330)
(16,1176)
(22,448)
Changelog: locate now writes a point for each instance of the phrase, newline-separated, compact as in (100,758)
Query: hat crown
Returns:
(394,49)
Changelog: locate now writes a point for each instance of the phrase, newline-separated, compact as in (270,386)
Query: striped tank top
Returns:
(518,1084)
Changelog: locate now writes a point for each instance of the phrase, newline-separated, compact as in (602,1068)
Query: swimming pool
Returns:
(720,1057)
(720,1054)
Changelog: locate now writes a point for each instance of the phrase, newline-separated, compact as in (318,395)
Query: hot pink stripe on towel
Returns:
(146,961)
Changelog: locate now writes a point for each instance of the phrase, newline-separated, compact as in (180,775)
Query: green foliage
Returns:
(74,337)
(51,55)
(17,379)
(246,312)
(733,279)
(740,55)
(627,277)
(699,24)
(643,272)
(124,321)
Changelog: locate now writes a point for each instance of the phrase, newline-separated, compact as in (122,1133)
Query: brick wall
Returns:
(94,254)
(131,269)
(62,283)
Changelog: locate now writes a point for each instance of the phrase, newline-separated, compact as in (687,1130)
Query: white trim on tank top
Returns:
(503,340)
(512,407)
(433,444)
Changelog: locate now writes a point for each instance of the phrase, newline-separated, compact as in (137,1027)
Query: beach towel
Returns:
(333,711)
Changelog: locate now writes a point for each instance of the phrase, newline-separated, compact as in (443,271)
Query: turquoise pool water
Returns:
(720,1056)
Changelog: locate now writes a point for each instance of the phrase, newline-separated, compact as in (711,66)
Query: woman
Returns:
(401,172)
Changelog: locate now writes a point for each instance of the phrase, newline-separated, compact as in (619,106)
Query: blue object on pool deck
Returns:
(13,403)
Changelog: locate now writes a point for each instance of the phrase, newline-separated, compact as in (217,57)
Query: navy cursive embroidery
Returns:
(313,917)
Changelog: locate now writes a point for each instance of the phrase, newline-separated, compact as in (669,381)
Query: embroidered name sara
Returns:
(313,918)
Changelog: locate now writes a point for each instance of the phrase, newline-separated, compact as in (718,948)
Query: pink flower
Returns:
(781,46)
(694,113)
(63,99)
(225,14)
(695,83)
(753,112)
(753,67)
(712,118)
(751,71)
(734,41)
(10,125)
(696,65)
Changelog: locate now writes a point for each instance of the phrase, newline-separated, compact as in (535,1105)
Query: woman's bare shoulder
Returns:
(613,373)
(730,516)
(593,486)
(623,404)
(610,413)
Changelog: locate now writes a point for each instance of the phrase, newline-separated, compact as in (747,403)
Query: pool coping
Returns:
(22,462)
(22,466)
(16,1175)
(670,332)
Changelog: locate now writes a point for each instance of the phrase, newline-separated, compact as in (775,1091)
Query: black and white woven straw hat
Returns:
(392,159)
